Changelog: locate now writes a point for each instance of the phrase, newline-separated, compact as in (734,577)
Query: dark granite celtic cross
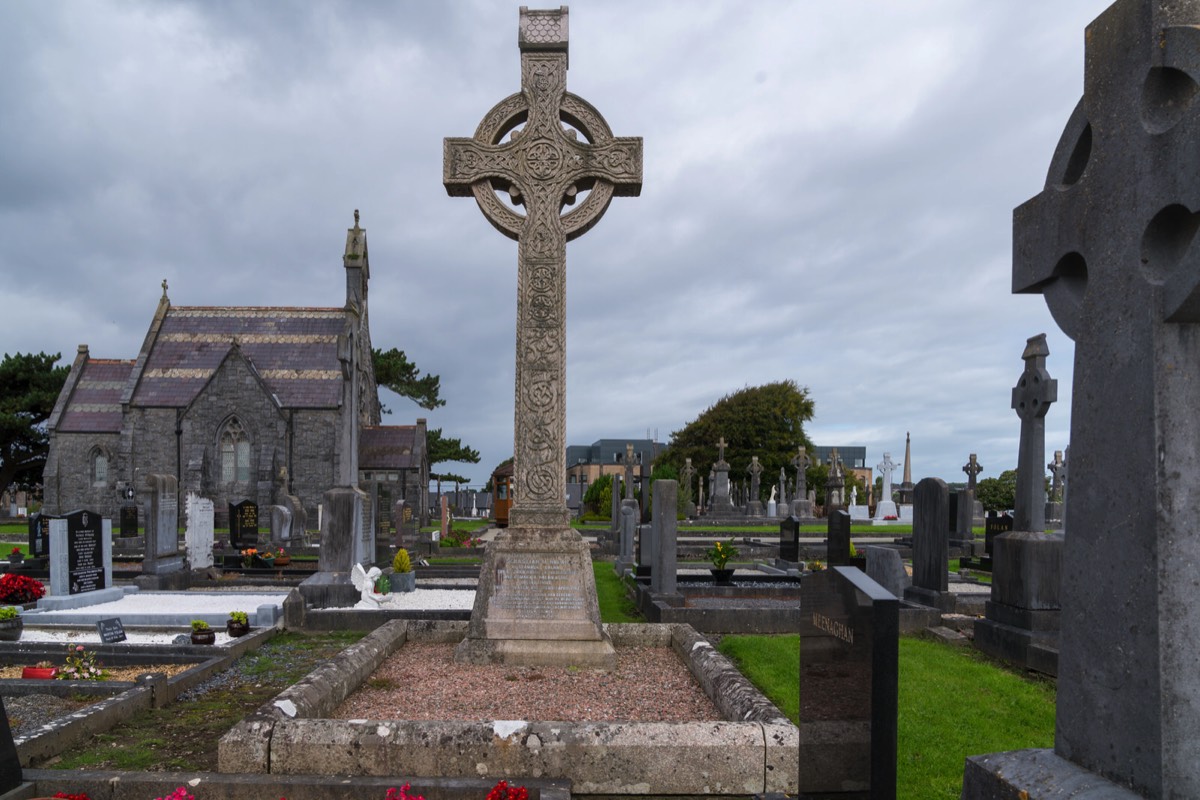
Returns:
(543,167)
(972,468)
(1031,398)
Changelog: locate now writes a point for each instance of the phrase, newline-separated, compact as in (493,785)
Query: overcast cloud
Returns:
(828,194)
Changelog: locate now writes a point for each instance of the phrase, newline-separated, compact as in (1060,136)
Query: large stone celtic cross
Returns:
(544,167)
(1111,244)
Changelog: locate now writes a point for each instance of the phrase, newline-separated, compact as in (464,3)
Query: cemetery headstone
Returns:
(849,666)
(686,474)
(625,559)
(801,505)
(281,525)
(838,538)
(129,520)
(445,517)
(645,548)
(754,506)
(662,575)
(243,525)
(405,521)
(722,502)
(162,527)
(111,630)
(536,600)
(200,532)
(784,508)
(615,492)
(1023,615)
(789,540)
(906,484)
(835,484)
(80,553)
(342,530)
(39,534)
(885,567)
(931,545)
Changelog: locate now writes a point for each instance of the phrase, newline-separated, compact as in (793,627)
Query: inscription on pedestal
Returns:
(536,587)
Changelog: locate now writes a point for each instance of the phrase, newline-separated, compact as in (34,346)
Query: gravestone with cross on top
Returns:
(545,148)
(1110,244)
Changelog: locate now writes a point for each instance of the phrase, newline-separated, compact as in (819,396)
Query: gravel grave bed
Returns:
(650,684)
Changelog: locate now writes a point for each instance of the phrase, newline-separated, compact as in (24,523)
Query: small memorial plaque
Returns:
(85,552)
(111,630)
(849,658)
(129,521)
(993,526)
(243,524)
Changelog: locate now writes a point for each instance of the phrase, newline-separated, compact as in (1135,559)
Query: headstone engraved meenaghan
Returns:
(931,545)
(536,601)
(1110,244)
(849,660)
(243,525)
(81,553)
(1022,617)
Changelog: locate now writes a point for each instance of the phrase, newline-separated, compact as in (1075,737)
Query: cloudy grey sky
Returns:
(827,197)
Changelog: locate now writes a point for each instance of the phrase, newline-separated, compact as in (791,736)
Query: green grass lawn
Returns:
(615,603)
(954,702)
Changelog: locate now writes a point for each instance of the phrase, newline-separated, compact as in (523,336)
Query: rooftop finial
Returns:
(164,285)
(356,219)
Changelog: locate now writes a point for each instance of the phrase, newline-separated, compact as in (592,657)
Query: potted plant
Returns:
(11,624)
(42,671)
(16,556)
(248,556)
(857,559)
(202,633)
(403,577)
(238,624)
(80,665)
(719,554)
(282,559)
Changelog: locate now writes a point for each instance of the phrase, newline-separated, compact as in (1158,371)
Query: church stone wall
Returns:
(68,480)
(314,457)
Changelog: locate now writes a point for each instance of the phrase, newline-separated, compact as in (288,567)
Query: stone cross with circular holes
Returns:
(972,468)
(1111,244)
(543,167)
(1031,398)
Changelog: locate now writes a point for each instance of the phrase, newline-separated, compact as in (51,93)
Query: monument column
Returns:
(536,602)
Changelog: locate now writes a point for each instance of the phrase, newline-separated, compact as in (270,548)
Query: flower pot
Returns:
(236,629)
(723,577)
(204,637)
(10,629)
(404,581)
(282,561)
(39,673)
(16,558)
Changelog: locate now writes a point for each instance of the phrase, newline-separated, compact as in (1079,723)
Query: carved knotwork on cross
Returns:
(543,167)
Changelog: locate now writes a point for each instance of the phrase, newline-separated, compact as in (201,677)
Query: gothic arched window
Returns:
(235,453)
(99,468)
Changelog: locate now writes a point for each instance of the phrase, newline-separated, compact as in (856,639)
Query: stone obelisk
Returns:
(536,602)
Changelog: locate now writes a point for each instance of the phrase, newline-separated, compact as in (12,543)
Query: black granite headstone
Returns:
(838,539)
(789,539)
(10,763)
(993,526)
(953,514)
(39,535)
(931,546)
(849,661)
(85,552)
(243,524)
(129,521)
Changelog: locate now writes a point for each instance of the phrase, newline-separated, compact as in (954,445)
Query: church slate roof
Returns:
(295,351)
(388,447)
(95,404)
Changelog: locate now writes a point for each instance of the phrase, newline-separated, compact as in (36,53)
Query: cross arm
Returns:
(466,161)
(617,161)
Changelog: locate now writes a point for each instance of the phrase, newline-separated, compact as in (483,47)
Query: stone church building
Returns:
(239,403)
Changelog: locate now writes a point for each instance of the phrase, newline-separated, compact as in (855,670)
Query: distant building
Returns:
(854,459)
(587,463)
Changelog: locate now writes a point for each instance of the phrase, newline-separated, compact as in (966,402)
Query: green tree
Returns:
(394,371)
(598,497)
(441,448)
(765,421)
(997,494)
(29,386)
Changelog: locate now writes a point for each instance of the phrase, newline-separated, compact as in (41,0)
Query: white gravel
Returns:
(171,603)
(428,599)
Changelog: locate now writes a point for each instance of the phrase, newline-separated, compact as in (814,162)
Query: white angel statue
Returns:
(364,581)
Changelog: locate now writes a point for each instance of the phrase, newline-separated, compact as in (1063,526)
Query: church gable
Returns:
(234,433)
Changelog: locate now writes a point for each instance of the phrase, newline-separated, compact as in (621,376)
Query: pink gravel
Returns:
(422,682)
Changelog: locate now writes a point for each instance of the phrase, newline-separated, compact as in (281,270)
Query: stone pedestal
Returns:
(1022,618)
(536,604)
(342,531)
(885,509)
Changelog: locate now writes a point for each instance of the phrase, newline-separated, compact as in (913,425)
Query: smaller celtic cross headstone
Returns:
(1031,399)
(972,468)
(801,461)
(755,470)
(628,471)
(721,450)
(1057,470)
(886,468)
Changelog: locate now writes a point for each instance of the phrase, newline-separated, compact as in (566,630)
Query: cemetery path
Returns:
(184,735)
